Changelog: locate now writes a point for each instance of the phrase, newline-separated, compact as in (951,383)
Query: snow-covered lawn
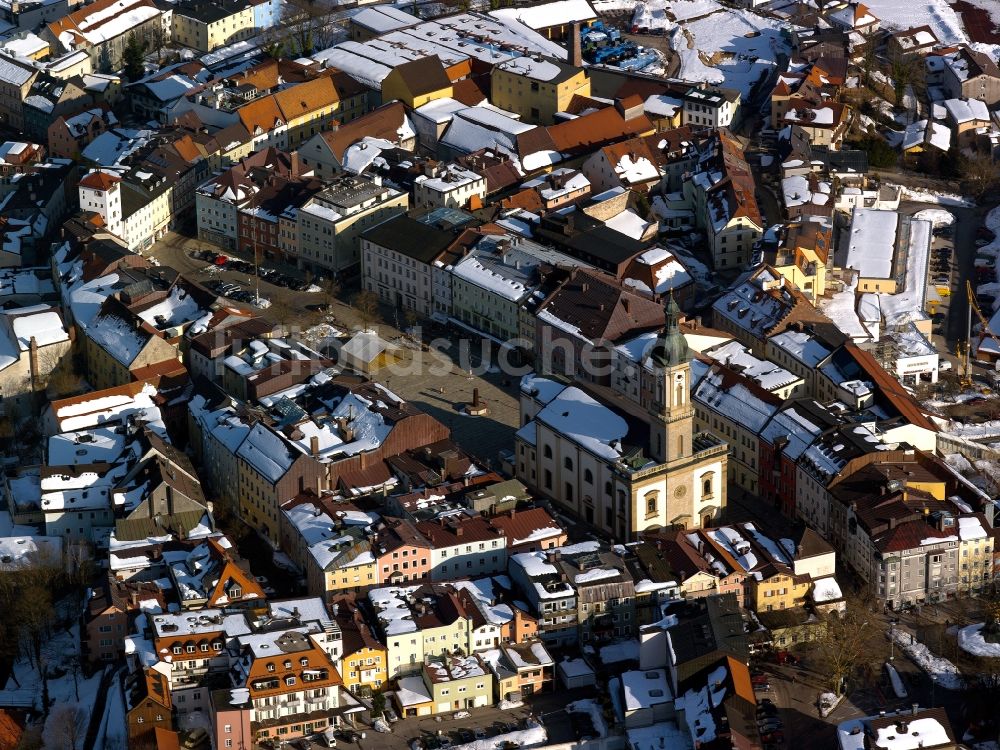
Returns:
(59,651)
(970,639)
(926,196)
(732,48)
(905,14)
(112,733)
(589,706)
(943,672)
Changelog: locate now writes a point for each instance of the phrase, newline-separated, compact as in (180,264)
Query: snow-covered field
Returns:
(940,669)
(732,48)
(970,639)
(904,14)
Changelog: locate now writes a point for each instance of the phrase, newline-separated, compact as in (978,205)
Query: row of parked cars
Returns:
(271,275)
(461,736)
(234,291)
(768,723)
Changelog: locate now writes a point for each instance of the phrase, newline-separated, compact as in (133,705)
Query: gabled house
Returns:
(211,576)
(417,82)
(969,74)
(324,153)
(148,707)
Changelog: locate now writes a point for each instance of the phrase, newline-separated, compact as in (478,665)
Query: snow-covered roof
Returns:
(826,590)
(118,337)
(872,242)
(966,110)
(547,15)
(588,423)
(737,357)
(804,347)
(733,400)
(644,689)
(266,452)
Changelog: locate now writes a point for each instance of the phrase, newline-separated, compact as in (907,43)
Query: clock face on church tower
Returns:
(680,492)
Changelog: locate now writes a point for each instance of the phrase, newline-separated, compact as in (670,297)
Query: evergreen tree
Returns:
(132,58)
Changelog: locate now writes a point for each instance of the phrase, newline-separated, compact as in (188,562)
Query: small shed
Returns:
(576,673)
(367,352)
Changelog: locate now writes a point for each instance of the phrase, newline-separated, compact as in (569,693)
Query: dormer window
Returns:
(288,664)
(270,667)
(290,680)
(234,591)
(177,649)
(190,649)
(304,662)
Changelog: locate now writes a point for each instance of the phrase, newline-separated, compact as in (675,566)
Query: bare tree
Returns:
(366,303)
(982,175)
(850,642)
(34,613)
(332,289)
(66,729)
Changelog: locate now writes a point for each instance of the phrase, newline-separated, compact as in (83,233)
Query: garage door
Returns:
(443,708)
(480,701)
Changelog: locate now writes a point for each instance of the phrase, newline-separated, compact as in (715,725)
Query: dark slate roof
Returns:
(415,239)
(841,161)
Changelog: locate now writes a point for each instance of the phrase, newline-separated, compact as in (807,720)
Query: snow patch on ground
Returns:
(589,706)
(971,640)
(939,217)
(904,14)
(732,48)
(940,669)
(926,196)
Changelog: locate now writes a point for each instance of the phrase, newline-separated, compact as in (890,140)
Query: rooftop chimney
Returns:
(314,446)
(576,53)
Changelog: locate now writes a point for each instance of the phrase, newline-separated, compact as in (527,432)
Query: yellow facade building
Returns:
(536,89)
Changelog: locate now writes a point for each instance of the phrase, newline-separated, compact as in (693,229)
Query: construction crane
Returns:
(984,329)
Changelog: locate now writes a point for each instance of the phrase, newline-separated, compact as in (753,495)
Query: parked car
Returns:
(479,733)
(944,365)
(945,231)
(943,280)
(763,687)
